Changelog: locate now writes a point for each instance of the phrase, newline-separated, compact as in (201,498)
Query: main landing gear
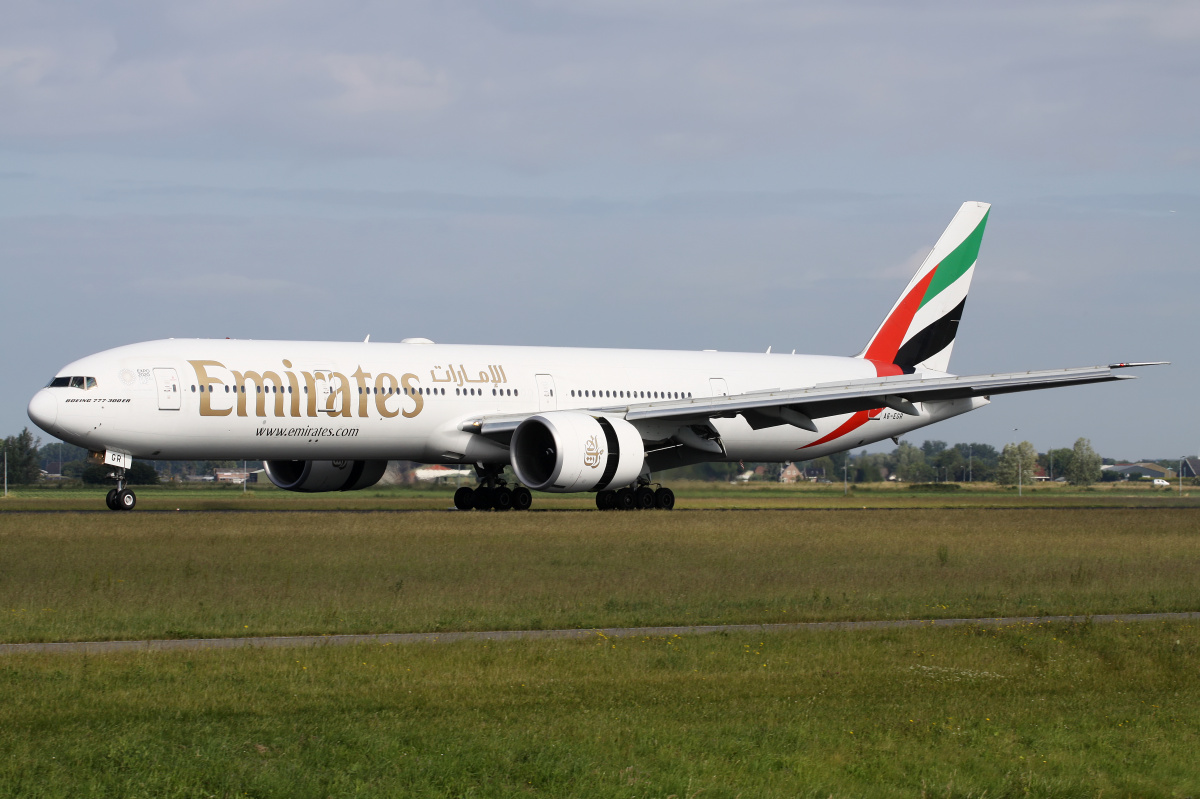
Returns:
(643,497)
(120,498)
(492,493)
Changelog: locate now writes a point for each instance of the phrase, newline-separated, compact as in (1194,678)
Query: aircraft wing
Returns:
(801,406)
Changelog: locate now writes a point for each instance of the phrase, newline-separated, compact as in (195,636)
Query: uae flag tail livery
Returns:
(330,415)
(918,333)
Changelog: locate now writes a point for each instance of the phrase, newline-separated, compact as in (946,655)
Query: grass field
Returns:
(1045,711)
(116,575)
(1032,710)
(691,495)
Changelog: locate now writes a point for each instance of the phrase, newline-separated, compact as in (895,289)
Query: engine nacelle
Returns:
(565,451)
(316,476)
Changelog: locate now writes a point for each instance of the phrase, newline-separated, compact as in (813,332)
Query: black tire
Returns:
(502,499)
(664,498)
(482,499)
(644,499)
(111,499)
(464,498)
(521,498)
(626,499)
(606,500)
(126,500)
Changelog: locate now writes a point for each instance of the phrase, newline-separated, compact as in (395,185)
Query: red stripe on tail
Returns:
(887,341)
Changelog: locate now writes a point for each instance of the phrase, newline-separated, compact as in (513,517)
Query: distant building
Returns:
(1128,470)
(437,473)
(790,474)
(1190,467)
(236,476)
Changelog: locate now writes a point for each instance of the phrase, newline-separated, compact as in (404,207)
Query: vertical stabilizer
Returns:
(919,331)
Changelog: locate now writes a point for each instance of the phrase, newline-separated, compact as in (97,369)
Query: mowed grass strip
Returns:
(120,576)
(691,495)
(1038,710)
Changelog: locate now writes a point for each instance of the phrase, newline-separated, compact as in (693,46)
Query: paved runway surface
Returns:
(100,647)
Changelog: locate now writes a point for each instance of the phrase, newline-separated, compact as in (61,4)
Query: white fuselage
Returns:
(300,400)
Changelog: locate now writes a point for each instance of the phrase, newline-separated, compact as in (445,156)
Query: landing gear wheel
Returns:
(125,499)
(664,498)
(626,499)
(606,500)
(111,499)
(644,499)
(521,498)
(482,498)
(502,499)
(464,498)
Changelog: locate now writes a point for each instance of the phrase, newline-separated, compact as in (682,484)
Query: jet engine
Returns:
(565,451)
(316,476)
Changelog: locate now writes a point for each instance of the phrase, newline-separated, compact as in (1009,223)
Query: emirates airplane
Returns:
(328,416)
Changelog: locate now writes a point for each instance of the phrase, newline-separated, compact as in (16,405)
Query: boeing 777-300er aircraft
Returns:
(328,416)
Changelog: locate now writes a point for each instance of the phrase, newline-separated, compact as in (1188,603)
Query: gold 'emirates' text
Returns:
(283,396)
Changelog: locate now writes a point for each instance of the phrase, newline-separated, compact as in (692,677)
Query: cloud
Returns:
(548,83)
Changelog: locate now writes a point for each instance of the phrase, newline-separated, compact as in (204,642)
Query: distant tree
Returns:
(952,465)
(911,465)
(1084,468)
(55,456)
(932,450)
(24,467)
(1014,457)
(979,461)
(95,474)
(869,467)
(141,474)
(828,467)
(1057,462)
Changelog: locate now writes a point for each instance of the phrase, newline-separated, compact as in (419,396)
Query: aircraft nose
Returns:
(43,410)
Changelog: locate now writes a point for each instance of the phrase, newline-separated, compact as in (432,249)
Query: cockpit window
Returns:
(74,381)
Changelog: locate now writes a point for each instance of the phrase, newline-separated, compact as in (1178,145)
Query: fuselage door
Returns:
(546,399)
(329,398)
(718,387)
(167,381)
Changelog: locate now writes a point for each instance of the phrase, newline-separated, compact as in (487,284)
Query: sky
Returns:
(707,174)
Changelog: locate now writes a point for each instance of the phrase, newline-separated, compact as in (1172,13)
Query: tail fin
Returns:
(919,331)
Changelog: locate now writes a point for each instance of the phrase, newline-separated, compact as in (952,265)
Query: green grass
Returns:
(115,575)
(1044,711)
(691,495)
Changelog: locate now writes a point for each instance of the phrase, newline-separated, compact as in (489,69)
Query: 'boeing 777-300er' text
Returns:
(328,416)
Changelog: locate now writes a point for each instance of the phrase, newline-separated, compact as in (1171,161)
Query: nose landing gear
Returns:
(120,498)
